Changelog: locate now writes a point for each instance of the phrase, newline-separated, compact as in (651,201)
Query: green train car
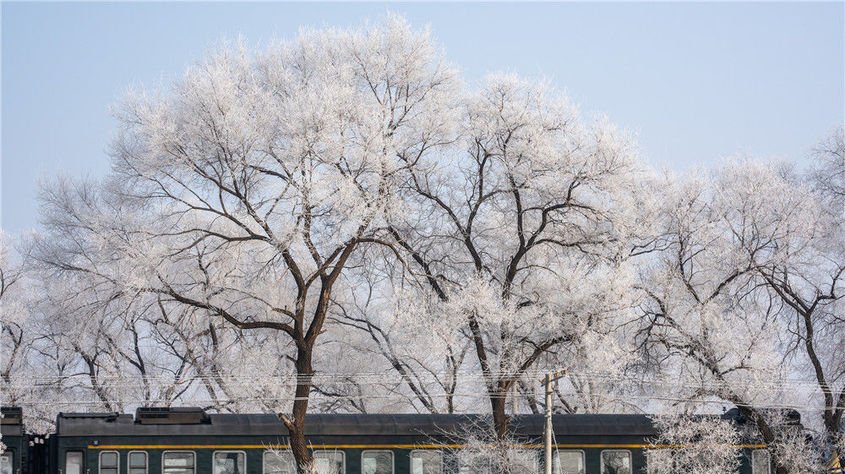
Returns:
(15,454)
(190,441)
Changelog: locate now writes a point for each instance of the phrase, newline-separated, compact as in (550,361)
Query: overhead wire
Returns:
(252,383)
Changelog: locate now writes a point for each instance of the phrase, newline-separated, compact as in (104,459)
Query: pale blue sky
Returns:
(696,81)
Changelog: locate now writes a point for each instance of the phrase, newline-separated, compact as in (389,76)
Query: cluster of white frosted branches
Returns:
(482,451)
(695,445)
(796,453)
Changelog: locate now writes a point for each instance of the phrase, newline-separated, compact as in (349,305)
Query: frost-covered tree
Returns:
(125,345)
(829,170)
(16,331)
(708,316)
(806,272)
(266,173)
(790,232)
(521,231)
(30,368)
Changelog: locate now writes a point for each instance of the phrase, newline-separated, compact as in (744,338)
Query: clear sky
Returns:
(696,81)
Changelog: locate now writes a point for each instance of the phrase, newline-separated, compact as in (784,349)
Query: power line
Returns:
(120,381)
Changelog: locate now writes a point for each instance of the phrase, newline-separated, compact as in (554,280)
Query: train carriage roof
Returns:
(11,421)
(113,424)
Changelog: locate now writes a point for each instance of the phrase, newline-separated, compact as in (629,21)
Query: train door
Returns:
(7,462)
(74,463)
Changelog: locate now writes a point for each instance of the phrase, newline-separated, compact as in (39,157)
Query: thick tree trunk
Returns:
(299,448)
(500,418)
(766,432)
(296,426)
(833,422)
(495,389)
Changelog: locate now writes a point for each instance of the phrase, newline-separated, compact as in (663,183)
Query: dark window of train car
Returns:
(178,462)
(279,462)
(569,462)
(426,462)
(73,462)
(330,462)
(377,462)
(229,462)
(761,462)
(616,462)
(7,462)
(138,462)
(109,462)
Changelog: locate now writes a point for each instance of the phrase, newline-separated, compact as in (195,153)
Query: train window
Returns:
(109,462)
(138,462)
(229,462)
(377,462)
(330,462)
(7,462)
(178,462)
(426,462)
(761,462)
(279,462)
(616,462)
(73,462)
(569,462)
(518,460)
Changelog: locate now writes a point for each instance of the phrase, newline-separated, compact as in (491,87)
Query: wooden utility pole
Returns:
(550,377)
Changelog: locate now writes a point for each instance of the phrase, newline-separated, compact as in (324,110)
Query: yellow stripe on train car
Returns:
(386,446)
